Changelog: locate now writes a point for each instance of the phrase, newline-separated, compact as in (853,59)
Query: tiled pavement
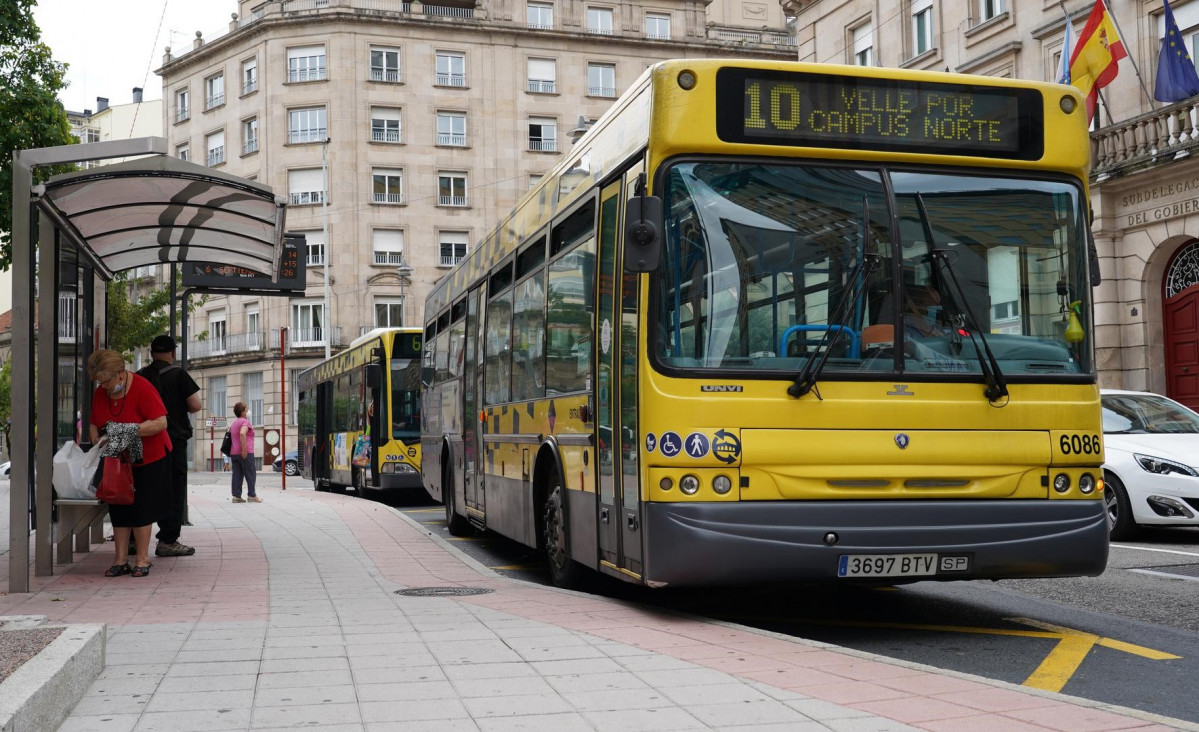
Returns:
(287,617)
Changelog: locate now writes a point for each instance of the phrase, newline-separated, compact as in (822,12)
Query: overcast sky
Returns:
(112,46)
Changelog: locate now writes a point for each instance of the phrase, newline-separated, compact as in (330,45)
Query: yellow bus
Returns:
(375,384)
(785,322)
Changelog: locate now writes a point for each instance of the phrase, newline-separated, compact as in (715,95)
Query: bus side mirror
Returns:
(643,233)
(374,376)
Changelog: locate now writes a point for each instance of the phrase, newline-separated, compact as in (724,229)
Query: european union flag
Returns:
(1176,78)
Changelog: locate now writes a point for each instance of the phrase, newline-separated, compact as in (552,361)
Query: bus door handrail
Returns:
(855,338)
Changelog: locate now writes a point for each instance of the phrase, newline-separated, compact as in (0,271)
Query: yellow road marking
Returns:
(1053,673)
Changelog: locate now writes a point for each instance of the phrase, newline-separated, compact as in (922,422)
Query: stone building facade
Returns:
(430,118)
(1145,176)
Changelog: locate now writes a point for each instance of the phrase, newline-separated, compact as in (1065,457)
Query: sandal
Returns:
(141,571)
(117,570)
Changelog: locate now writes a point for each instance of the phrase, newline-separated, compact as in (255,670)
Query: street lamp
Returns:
(404,272)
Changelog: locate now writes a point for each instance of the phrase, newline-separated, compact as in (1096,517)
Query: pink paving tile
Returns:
(742,663)
(927,684)
(915,709)
(1073,718)
(981,723)
(815,658)
(791,678)
(862,670)
(849,692)
(996,700)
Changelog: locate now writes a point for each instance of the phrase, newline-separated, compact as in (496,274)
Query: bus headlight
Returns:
(1067,104)
(1086,484)
(689,484)
(397,469)
(666,484)
(721,484)
(1061,482)
(686,80)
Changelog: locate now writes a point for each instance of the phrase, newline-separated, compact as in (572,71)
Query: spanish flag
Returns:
(1096,59)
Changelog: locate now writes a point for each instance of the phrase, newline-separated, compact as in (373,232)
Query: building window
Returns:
(599,20)
(543,134)
(657,26)
(601,80)
(385,64)
(453,247)
(451,69)
(218,332)
(388,246)
(306,63)
(541,16)
(215,144)
(249,76)
(451,128)
(214,91)
(217,396)
(387,186)
(863,45)
(534,179)
(314,242)
(451,189)
(67,310)
(306,125)
(988,9)
(389,312)
(306,185)
(183,152)
(254,338)
(922,26)
(306,319)
(251,391)
(249,136)
(542,75)
(183,105)
(385,124)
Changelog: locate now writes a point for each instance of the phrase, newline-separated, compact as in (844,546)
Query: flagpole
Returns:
(1144,89)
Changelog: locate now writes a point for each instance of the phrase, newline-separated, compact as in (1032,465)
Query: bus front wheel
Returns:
(563,570)
(457,525)
(360,483)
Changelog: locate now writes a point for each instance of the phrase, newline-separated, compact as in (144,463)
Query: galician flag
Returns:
(1096,58)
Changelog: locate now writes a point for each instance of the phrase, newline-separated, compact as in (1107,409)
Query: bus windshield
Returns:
(405,400)
(760,271)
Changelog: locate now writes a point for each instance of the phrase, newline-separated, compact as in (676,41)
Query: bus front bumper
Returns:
(756,542)
(405,477)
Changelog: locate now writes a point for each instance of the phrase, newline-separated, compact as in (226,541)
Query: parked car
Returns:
(1151,473)
(5,468)
(292,465)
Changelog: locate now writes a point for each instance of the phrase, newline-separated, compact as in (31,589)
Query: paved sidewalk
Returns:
(287,616)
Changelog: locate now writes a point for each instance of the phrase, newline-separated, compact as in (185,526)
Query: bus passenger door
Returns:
(322,458)
(472,390)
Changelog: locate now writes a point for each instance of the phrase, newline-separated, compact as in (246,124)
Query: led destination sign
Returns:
(847,112)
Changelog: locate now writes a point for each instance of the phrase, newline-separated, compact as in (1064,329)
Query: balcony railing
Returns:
(227,345)
(311,135)
(378,74)
(451,200)
(214,100)
(302,197)
(183,114)
(601,91)
(382,257)
(449,260)
(250,86)
(451,80)
(452,139)
(312,337)
(387,198)
(316,73)
(385,135)
(599,30)
(542,86)
(216,156)
(67,307)
(445,11)
(251,145)
(543,145)
(767,37)
(1157,137)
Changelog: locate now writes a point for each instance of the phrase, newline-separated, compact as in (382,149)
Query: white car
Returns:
(1151,473)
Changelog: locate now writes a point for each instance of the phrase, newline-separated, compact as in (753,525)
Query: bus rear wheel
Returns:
(454,523)
(563,570)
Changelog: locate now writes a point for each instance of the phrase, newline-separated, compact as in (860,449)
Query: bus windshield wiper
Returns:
(805,380)
(989,365)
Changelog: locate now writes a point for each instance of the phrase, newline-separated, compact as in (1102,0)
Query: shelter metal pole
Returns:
(87,334)
(174,269)
(47,380)
(22,374)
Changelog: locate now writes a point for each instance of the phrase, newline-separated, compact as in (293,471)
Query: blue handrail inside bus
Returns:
(855,338)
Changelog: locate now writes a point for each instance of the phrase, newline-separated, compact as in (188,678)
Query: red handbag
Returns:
(116,482)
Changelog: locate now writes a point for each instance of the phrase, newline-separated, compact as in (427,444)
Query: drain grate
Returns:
(1189,571)
(442,591)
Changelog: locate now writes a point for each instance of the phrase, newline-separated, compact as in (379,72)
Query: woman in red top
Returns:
(125,397)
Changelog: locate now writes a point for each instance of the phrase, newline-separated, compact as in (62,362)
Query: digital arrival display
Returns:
(848,112)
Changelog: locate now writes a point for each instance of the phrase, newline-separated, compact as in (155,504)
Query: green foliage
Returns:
(6,399)
(30,80)
(133,324)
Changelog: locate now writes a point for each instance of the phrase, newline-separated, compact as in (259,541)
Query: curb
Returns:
(41,692)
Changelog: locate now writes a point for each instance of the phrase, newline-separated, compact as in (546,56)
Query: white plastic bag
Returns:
(74,470)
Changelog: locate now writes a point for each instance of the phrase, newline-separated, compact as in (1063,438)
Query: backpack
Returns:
(153,374)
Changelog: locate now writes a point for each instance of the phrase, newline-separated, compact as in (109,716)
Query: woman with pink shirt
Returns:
(242,455)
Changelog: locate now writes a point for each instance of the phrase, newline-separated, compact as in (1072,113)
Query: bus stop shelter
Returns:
(84,227)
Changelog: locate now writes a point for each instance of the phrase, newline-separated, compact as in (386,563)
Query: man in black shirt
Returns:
(181,396)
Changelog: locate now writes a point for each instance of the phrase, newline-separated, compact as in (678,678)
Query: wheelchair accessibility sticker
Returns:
(671,444)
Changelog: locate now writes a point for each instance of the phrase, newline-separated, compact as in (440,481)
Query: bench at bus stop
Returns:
(80,524)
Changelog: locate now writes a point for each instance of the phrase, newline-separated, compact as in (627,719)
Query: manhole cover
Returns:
(442,591)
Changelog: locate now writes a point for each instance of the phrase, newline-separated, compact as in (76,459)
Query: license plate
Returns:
(886,565)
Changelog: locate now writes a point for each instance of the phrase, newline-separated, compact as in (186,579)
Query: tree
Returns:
(133,324)
(30,80)
(6,402)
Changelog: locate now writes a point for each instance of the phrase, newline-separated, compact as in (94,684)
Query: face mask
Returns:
(933,312)
(118,388)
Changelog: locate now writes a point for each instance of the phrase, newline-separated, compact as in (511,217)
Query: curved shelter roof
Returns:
(161,209)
